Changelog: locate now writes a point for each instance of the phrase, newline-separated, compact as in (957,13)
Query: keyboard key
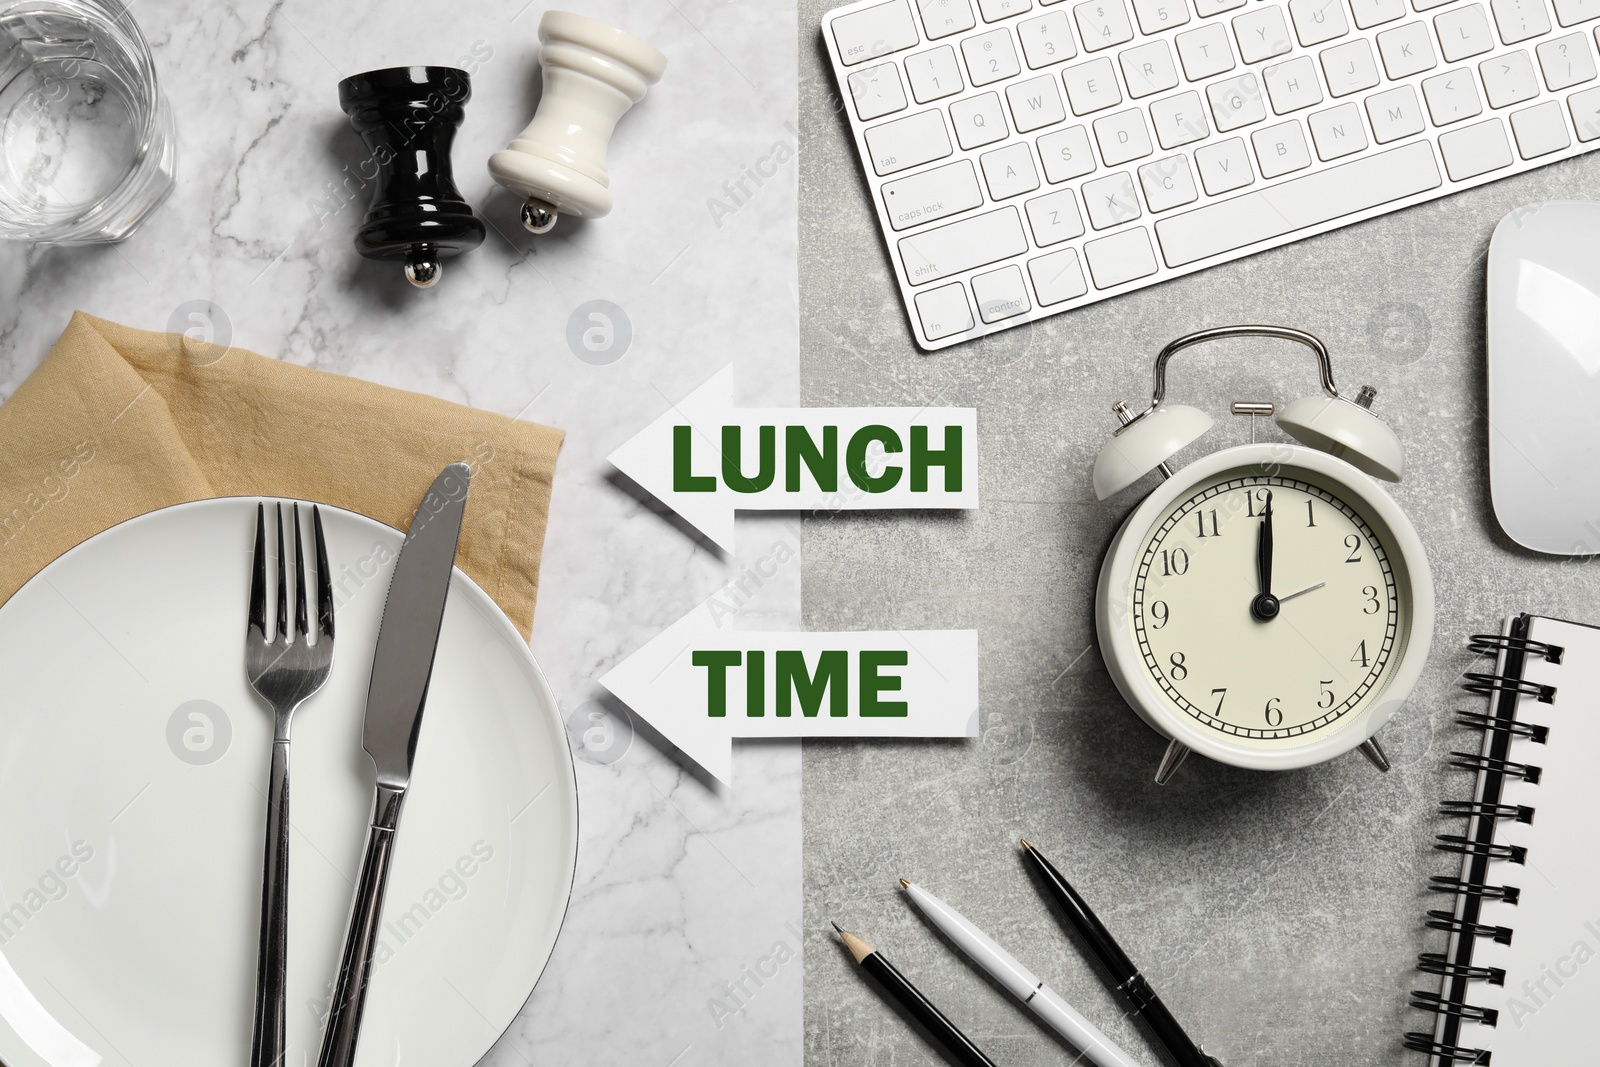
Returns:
(990,56)
(1395,113)
(877,92)
(1520,19)
(1111,200)
(933,74)
(1204,51)
(944,311)
(1509,79)
(1298,203)
(1475,150)
(1262,33)
(1122,257)
(1463,33)
(1148,68)
(1054,217)
(1406,50)
(1168,183)
(1091,86)
(1123,137)
(1179,120)
(1566,61)
(1224,166)
(873,32)
(1281,149)
(1001,294)
(1572,12)
(1236,102)
(1540,129)
(995,10)
(1586,113)
(960,246)
(1009,171)
(1370,13)
(1047,39)
(1452,97)
(1316,21)
(1057,277)
(1292,84)
(932,195)
(1337,131)
(1035,103)
(1207,8)
(908,142)
(941,18)
(1066,154)
(1103,23)
(1428,5)
(979,120)
(1349,67)
(1157,15)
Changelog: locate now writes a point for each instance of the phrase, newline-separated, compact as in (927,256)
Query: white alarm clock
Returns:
(1268,605)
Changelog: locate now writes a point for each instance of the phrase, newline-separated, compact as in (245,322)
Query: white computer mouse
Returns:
(1544,376)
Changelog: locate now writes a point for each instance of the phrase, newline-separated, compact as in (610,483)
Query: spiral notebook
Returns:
(1520,974)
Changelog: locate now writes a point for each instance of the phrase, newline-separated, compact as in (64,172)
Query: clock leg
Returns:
(1174,756)
(1374,752)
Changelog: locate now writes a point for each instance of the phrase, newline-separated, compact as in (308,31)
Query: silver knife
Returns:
(401,666)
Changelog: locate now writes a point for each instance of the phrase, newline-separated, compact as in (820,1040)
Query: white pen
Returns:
(1019,981)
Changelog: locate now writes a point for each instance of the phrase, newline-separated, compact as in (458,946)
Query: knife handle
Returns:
(355,968)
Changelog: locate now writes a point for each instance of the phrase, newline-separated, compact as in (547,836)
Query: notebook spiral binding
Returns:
(1504,687)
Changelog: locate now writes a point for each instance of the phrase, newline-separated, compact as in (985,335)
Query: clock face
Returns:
(1269,607)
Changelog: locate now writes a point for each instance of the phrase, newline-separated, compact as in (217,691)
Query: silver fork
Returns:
(283,670)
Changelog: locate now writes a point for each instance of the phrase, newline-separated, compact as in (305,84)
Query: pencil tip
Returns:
(904,884)
(1025,846)
(837,927)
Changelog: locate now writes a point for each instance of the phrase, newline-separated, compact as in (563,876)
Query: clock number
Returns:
(1250,499)
(1174,562)
(1179,670)
(1372,605)
(1360,657)
(1353,543)
(1200,519)
(1326,697)
(1160,613)
(1311,516)
(1221,695)
(1274,713)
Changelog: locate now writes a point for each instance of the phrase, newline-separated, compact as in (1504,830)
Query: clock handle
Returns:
(1174,756)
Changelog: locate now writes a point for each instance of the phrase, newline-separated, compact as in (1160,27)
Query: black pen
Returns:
(1125,977)
(956,1045)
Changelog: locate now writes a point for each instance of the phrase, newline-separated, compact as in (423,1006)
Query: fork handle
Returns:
(350,993)
(267,1045)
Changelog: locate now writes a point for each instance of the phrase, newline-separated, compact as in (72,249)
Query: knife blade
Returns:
(402,665)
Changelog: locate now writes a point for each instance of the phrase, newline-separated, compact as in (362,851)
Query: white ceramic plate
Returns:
(133,770)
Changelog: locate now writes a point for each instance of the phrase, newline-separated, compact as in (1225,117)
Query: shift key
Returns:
(932,195)
(939,253)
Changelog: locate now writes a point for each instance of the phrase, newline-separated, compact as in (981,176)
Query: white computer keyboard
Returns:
(1028,157)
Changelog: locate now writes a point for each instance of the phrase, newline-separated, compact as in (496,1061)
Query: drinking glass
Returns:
(86,136)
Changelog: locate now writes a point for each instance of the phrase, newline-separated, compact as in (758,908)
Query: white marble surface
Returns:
(680,888)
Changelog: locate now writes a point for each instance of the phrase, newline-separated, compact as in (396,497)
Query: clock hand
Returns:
(1307,589)
(1265,606)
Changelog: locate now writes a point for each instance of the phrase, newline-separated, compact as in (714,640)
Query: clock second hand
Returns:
(1307,589)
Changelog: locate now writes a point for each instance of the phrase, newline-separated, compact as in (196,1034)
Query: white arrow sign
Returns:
(702,685)
(706,459)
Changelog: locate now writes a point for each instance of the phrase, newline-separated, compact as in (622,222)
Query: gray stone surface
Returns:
(1278,914)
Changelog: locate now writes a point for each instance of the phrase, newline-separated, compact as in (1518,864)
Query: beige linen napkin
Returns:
(117,422)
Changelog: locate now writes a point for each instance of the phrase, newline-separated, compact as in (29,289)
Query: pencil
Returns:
(955,1044)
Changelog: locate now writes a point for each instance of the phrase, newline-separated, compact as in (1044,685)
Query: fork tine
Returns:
(258,574)
(299,579)
(283,584)
(324,578)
